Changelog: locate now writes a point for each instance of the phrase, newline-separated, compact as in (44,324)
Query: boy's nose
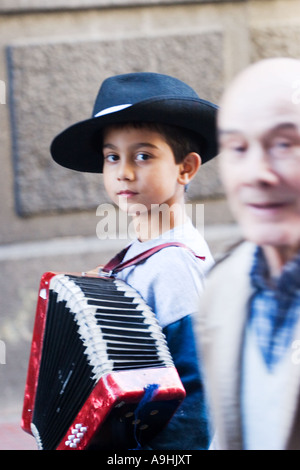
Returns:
(125,172)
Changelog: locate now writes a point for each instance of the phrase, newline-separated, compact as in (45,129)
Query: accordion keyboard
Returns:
(94,327)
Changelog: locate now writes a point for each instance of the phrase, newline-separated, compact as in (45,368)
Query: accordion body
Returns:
(100,374)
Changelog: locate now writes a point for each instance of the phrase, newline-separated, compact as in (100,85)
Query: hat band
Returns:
(113,109)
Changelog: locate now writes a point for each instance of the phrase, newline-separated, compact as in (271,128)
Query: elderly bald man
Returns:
(250,321)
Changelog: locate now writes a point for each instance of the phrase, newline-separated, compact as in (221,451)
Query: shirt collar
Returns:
(289,280)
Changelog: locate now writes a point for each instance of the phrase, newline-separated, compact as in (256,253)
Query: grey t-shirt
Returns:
(172,280)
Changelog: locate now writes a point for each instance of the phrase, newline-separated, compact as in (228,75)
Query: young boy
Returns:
(149,135)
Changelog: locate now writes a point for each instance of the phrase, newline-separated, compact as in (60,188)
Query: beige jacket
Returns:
(220,330)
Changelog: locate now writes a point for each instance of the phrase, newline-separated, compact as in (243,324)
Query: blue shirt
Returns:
(274,314)
(274,307)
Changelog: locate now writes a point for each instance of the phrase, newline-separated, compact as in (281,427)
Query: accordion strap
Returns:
(116,264)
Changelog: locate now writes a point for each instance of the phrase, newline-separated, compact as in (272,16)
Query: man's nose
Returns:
(260,169)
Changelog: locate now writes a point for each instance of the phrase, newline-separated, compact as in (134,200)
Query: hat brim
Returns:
(79,147)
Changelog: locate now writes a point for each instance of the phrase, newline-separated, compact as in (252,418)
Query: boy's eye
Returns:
(111,158)
(142,157)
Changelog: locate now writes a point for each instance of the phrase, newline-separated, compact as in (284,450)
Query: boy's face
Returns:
(139,169)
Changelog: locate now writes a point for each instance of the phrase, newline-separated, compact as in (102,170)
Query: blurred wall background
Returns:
(54,54)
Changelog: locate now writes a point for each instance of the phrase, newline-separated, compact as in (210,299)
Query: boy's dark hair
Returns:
(181,141)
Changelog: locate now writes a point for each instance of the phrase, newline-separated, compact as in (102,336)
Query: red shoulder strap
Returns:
(116,264)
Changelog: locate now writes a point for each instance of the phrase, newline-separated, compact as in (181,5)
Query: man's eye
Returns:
(235,149)
(233,146)
(239,148)
(283,144)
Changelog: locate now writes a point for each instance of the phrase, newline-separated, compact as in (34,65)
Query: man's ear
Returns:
(189,167)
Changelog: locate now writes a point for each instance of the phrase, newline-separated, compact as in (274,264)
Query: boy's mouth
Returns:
(127,193)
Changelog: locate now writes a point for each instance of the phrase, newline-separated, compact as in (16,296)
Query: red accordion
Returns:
(100,373)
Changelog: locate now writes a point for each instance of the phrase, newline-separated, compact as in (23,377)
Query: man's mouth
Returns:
(268,207)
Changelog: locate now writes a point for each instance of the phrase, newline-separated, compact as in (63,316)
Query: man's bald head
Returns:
(259,132)
(273,83)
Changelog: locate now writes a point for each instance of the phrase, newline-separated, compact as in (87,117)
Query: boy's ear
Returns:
(189,167)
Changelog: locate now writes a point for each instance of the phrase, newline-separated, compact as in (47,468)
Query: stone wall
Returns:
(53,57)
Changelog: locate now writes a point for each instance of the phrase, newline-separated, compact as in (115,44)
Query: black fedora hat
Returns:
(143,97)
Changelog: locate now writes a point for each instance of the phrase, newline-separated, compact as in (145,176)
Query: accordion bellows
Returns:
(100,374)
